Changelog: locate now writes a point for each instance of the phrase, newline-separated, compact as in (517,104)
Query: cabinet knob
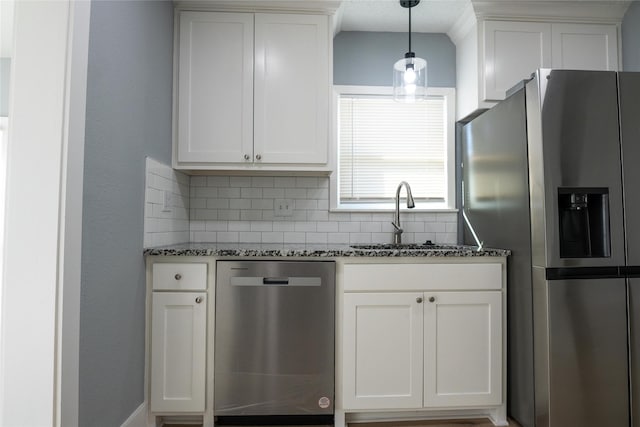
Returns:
(198,300)
(432,299)
(247,157)
(258,157)
(419,300)
(178,276)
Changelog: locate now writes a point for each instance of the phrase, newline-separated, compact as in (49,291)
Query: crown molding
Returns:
(325,7)
(465,23)
(593,11)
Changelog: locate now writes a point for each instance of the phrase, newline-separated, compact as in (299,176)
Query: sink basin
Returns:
(401,246)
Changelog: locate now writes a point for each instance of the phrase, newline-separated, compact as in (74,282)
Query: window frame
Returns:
(448,93)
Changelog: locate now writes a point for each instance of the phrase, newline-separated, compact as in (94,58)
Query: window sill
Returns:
(382,209)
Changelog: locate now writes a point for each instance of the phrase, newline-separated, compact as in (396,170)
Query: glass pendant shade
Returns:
(410,73)
(410,79)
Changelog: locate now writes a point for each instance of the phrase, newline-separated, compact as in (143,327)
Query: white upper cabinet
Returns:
(291,89)
(585,47)
(512,51)
(215,87)
(252,91)
(498,46)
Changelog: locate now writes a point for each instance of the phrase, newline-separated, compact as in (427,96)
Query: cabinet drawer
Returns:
(179,276)
(421,277)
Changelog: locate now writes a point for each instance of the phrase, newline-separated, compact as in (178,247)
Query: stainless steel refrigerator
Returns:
(553,173)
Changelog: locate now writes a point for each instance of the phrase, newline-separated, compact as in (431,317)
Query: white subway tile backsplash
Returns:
(360,238)
(229,193)
(239,226)
(250,237)
(295,237)
(284,182)
(240,181)
(228,237)
(371,227)
(239,204)
(327,227)
(306,226)
(338,238)
(283,226)
(273,193)
(250,215)
(261,226)
(198,181)
(262,204)
(273,237)
(216,226)
(216,181)
(262,181)
(317,238)
(318,215)
(306,204)
(349,227)
(295,193)
(166,205)
(251,193)
(230,215)
(233,209)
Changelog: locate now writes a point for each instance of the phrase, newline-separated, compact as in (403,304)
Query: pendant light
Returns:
(410,73)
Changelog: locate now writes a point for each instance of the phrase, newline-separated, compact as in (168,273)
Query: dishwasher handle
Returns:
(276,281)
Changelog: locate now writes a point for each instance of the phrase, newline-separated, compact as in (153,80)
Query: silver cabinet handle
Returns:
(198,300)
(258,157)
(419,300)
(432,299)
(247,157)
(178,276)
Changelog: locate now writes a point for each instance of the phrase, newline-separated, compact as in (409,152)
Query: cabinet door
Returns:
(382,351)
(291,88)
(585,47)
(512,51)
(178,347)
(463,349)
(215,87)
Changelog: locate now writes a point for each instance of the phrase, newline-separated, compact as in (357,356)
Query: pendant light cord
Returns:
(409,29)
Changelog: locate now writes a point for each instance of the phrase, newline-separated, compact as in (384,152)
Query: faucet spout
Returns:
(397,232)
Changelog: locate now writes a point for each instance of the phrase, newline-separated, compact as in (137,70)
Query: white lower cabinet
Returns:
(462,349)
(177,334)
(413,350)
(178,349)
(383,361)
(423,337)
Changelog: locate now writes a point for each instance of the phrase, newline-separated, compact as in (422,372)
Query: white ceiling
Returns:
(429,16)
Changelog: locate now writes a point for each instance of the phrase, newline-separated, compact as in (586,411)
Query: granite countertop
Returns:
(320,251)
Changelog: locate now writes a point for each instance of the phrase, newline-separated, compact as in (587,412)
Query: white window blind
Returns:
(383,142)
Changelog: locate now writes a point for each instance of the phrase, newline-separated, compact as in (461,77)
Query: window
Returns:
(382,142)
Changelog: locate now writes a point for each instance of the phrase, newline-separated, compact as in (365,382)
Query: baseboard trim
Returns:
(138,418)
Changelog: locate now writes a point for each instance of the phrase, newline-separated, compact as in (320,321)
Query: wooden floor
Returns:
(440,423)
(448,423)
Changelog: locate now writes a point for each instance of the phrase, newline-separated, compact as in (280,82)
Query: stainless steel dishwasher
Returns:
(274,342)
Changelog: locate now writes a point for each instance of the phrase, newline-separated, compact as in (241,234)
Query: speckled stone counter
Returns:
(320,251)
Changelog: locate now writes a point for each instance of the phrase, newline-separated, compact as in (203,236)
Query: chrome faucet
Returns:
(397,232)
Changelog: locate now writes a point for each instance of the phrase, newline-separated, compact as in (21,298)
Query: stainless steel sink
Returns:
(402,246)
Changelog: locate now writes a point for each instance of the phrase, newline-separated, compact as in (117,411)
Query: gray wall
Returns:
(5,67)
(367,58)
(631,38)
(128,117)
